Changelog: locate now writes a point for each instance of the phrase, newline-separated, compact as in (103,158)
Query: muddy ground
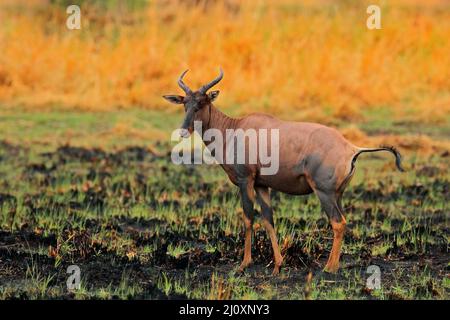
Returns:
(140,227)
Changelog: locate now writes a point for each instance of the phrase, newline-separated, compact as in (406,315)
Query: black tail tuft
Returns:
(398,156)
(393,150)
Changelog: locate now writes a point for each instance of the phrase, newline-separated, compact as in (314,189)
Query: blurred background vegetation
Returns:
(300,60)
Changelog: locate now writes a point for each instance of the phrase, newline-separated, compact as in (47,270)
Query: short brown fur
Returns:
(313,158)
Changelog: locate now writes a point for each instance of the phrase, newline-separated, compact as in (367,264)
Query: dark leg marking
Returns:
(248,199)
(331,205)
(263,198)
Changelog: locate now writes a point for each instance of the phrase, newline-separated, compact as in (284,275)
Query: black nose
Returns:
(184,133)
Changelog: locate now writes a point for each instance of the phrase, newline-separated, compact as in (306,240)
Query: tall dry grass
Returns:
(299,59)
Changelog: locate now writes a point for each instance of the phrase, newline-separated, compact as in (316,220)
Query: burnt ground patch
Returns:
(141,227)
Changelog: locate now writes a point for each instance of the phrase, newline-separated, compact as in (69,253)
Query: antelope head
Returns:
(195,103)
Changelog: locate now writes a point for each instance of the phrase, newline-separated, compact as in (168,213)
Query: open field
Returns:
(140,227)
(85,172)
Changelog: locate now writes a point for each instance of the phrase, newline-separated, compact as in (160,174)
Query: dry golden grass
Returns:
(299,59)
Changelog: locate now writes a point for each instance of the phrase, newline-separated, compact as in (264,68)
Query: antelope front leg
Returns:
(267,217)
(248,198)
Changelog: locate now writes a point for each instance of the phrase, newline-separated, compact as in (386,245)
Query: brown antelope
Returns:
(313,158)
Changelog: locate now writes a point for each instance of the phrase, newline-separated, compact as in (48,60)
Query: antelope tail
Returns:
(398,157)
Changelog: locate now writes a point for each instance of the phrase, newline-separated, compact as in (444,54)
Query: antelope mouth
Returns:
(185,133)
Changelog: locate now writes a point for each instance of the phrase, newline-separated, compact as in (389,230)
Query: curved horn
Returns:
(182,85)
(209,85)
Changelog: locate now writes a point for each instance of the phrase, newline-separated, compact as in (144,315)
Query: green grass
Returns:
(380,121)
(145,228)
(47,129)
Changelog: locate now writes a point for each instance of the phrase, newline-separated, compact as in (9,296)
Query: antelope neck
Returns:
(219,120)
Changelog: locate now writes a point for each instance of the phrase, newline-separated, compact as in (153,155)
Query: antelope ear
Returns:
(174,99)
(213,95)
